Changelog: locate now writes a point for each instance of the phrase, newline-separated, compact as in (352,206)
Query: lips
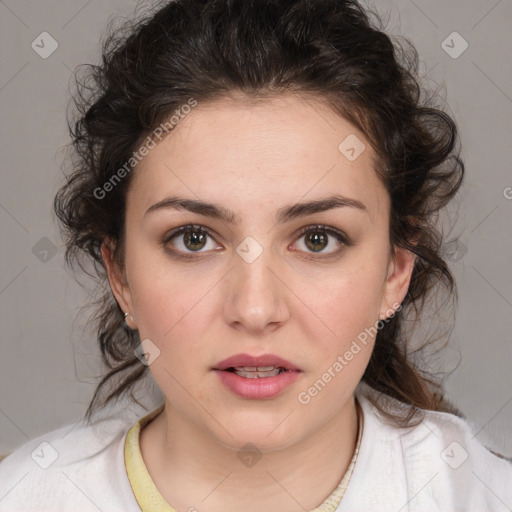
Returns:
(256,377)
(263,361)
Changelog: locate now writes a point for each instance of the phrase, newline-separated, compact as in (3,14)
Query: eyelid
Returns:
(328,229)
(188,227)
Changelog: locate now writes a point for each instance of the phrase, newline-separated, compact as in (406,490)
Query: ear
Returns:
(399,275)
(118,282)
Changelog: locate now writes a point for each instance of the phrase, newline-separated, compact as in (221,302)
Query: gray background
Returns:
(49,360)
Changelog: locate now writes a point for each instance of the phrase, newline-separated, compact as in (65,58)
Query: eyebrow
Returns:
(284,214)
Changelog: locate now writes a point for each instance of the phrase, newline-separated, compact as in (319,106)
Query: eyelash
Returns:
(339,235)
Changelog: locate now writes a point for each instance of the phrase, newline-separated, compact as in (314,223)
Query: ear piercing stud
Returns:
(131,317)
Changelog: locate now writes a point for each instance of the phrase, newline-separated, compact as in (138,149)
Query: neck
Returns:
(191,468)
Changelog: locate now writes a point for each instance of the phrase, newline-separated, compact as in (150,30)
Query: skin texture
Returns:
(255,158)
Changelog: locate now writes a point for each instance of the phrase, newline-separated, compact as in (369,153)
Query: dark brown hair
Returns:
(207,49)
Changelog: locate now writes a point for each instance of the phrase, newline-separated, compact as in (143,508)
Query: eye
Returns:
(189,239)
(318,238)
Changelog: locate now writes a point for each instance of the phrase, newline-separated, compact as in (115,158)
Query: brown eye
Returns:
(316,241)
(319,238)
(188,239)
(194,240)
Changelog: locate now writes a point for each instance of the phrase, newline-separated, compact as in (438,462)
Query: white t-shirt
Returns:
(437,465)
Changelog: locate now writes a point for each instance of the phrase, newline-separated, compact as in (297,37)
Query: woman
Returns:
(277,319)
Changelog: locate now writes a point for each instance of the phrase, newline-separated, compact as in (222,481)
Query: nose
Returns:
(256,300)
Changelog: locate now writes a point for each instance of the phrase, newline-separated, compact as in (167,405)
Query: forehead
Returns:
(240,150)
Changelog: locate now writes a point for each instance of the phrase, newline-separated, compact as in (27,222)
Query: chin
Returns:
(266,435)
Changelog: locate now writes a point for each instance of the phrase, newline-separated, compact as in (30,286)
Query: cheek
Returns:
(340,349)
(159,297)
(350,301)
(349,313)
(340,353)
(170,307)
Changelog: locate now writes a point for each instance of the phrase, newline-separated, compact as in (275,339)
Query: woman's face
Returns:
(263,280)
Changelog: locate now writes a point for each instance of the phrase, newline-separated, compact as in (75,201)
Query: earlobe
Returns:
(398,280)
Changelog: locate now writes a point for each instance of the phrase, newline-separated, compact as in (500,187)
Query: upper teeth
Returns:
(254,368)
(256,372)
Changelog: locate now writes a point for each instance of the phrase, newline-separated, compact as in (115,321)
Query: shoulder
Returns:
(438,464)
(463,469)
(79,463)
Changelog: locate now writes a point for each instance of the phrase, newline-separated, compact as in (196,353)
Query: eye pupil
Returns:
(195,238)
(318,241)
